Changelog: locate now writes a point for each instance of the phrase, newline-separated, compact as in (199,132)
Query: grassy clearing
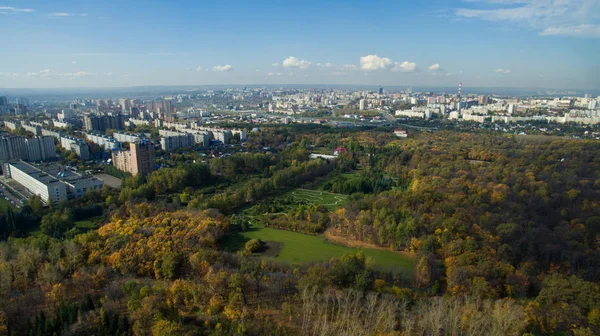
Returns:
(87,225)
(294,247)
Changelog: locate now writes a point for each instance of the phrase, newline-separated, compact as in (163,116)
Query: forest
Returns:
(505,234)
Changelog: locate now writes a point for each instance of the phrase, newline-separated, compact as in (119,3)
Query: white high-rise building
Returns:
(592,105)
(512,109)
(361,104)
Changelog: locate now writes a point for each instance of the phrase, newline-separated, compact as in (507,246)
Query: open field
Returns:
(295,247)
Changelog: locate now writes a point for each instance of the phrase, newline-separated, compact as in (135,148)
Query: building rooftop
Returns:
(52,173)
(35,172)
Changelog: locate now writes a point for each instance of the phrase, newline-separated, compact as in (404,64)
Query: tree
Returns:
(165,328)
(256,271)
(37,207)
(57,223)
(253,245)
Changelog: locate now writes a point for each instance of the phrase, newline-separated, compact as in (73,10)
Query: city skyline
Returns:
(486,43)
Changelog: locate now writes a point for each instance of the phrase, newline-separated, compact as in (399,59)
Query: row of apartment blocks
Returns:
(113,142)
(220,134)
(171,140)
(76,145)
(100,123)
(36,127)
(51,184)
(510,119)
(39,148)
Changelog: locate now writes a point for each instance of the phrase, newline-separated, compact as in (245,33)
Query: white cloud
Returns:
(78,74)
(589,30)
(405,66)
(275,65)
(349,67)
(293,62)
(48,73)
(550,17)
(257,70)
(201,68)
(436,70)
(374,62)
(66,14)
(325,65)
(502,71)
(41,73)
(9,74)
(14,10)
(60,14)
(434,67)
(223,68)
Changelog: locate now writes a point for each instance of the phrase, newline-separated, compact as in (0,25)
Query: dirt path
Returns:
(358,244)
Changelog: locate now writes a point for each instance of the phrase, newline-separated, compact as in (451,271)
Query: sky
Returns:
(481,43)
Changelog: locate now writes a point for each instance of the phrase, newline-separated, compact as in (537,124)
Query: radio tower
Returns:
(459,93)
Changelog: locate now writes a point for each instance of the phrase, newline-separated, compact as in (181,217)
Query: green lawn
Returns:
(299,248)
(4,205)
(86,225)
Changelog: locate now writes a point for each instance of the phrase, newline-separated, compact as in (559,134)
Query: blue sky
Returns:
(512,43)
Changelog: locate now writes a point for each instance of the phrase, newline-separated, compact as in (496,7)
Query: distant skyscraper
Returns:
(3,101)
(125,104)
(380,90)
(512,108)
(361,104)
(23,101)
(482,100)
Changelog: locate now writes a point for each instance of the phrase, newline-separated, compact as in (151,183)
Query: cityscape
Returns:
(320,168)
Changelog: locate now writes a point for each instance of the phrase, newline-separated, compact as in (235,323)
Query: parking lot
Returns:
(8,194)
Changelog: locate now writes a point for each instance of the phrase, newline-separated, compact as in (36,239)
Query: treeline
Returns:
(492,229)
(248,163)
(304,218)
(154,270)
(367,182)
(69,320)
(17,223)
(258,188)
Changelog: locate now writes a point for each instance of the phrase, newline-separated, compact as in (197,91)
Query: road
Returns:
(388,116)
